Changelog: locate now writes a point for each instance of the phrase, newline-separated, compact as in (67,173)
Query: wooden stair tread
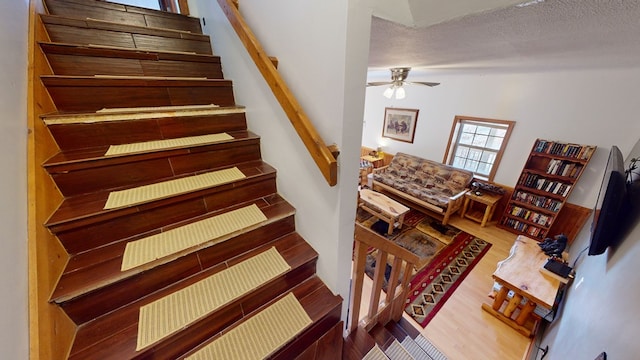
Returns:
(128,53)
(85,234)
(150,166)
(90,93)
(318,302)
(73,59)
(292,248)
(382,336)
(93,157)
(127,125)
(122,12)
(126,81)
(124,7)
(119,27)
(81,276)
(93,32)
(108,297)
(85,207)
(274,206)
(357,344)
(314,296)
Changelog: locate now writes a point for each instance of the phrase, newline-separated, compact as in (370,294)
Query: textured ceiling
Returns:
(547,35)
(420,13)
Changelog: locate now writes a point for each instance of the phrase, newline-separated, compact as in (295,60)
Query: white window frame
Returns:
(456,134)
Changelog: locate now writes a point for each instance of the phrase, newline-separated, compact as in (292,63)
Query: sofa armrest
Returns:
(380,169)
(458,195)
(455,203)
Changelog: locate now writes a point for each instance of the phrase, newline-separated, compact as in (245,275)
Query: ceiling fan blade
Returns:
(422,83)
(379,83)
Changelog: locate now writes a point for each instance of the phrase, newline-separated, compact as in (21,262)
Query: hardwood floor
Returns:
(461,329)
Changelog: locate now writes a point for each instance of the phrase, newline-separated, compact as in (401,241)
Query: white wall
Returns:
(596,107)
(13,191)
(324,64)
(600,310)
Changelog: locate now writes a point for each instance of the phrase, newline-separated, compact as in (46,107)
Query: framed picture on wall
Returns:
(400,124)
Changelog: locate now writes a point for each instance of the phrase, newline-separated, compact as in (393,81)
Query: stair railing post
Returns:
(399,304)
(357,276)
(378,279)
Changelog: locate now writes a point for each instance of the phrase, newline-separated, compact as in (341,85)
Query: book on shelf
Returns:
(563,168)
(537,200)
(576,151)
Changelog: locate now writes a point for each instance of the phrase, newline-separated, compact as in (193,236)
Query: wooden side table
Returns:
(489,201)
(382,207)
(520,274)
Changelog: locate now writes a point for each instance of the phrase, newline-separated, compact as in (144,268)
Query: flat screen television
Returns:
(608,213)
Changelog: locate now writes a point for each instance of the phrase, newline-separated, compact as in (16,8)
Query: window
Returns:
(477,144)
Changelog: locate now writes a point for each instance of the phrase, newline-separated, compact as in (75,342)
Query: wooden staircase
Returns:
(127,75)
(395,340)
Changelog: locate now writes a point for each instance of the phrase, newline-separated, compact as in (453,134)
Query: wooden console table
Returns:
(520,274)
(382,207)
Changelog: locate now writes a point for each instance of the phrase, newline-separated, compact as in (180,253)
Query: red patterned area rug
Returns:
(433,285)
(414,217)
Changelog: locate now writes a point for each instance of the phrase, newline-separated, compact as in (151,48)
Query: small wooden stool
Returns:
(382,207)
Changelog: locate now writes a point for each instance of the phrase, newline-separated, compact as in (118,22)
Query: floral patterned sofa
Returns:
(429,184)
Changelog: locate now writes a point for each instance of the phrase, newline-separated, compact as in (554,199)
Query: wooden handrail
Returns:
(318,150)
(403,264)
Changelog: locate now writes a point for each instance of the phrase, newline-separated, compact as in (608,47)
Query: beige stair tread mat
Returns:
(261,335)
(375,354)
(167,144)
(211,230)
(157,108)
(169,188)
(168,315)
(129,114)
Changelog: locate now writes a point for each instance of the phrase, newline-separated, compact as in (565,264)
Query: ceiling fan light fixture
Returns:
(388,93)
(398,80)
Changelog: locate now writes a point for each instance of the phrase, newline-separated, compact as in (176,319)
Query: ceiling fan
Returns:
(398,79)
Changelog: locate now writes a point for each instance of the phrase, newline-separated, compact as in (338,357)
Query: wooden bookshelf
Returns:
(547,179)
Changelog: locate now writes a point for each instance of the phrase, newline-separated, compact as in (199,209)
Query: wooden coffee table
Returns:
(382,207)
